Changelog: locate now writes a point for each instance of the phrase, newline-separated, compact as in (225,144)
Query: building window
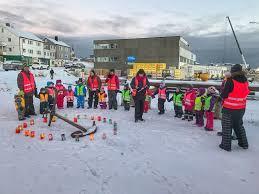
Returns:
(10,49)
(9,40)
(38,44)
(106,46)
(24,50)
(30,51)
(30,42)
(23,40)
(2,30)
(44,53)
(39,52)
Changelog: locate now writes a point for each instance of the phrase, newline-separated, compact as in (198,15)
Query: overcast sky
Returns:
(202,22)
(130,18)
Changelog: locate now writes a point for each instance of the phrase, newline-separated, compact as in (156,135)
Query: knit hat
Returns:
(162,84)
(58,81)
(212,90)
(202,91)
(69,87)
(49,83)
(236,68)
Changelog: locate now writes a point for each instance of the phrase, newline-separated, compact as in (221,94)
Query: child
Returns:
(52,95)
(210,107)
(177,99)
(80,93)
(126,96)
(102,98)
(70,97)
(147,100)
(162,96)
(44,102)
(61,91)
(20,105)
(189,98)
(199,107)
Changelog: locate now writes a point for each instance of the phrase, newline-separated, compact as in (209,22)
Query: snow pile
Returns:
(163,155)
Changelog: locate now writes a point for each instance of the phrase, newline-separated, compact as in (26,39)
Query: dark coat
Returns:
(141,93)
(98,80)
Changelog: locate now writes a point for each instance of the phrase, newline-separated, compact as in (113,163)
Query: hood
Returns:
(239,76)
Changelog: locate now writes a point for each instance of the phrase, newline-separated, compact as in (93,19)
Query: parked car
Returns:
(37,65)
(12,65)
(79,66)
(68,65)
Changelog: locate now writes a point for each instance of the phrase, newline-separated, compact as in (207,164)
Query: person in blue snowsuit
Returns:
(80,94)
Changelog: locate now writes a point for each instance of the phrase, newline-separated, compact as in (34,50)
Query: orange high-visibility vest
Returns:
(134,91)
(112,83)
(102,97)
(70,96)
(93,83)
(28,83)
(162,93)
(237,98)
(44,97)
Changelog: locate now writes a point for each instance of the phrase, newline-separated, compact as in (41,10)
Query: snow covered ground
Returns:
(161,156)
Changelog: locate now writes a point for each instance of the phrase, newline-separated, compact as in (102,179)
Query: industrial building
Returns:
(174,51)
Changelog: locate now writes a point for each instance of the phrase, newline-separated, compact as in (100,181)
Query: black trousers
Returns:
(29,107)
(233,119)
(44,107)
(161,105)
(126,105)
(178,111)
(93,96)
(112,95)
(188,115)
(70,104)
(139,108)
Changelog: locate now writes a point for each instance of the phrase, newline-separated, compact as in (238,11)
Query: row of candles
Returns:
(93,118)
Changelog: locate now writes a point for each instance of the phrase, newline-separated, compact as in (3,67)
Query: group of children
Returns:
(195,102)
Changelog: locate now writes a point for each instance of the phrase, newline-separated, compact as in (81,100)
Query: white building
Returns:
(22,46)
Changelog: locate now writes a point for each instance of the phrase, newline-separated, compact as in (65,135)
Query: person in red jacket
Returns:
(61,94)
(234,96)
(163,95)
(94,85)
(113,85)
(26,83)
(70,97)
(189,102)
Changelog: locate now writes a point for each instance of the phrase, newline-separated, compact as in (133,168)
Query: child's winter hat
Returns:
(43,90)
(212,90)
(162,84)
(202,91)
(69,87)
(58,81)
(49,83)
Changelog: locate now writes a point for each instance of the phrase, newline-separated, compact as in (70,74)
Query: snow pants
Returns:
(93,96)
(139,108)
(70,104)
(20,112)
(126,105)
(178,111)
(210,120)
(60,101)
(188,115)
(80,101)
(146,106)
(44,107)
(112,95)
(199,115)
(103,105)
(161,105)
(233,119)
(29,107)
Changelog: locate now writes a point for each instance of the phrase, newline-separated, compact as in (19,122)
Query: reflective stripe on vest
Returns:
(112,83)
(28,83)
(44,97)
(134,91)
(188,100)
(70,96)
(162,93)
(93,83)
(237,98)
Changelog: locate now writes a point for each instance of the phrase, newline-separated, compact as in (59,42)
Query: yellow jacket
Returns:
(102,97)
(44,97)
(19,102)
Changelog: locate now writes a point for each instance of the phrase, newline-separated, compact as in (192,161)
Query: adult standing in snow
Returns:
(113,83)
(94,85)
(139,85)
(52,73)
(234,97)
(26,83)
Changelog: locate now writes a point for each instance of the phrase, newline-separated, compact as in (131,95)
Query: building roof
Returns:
(60,43)
(23,34)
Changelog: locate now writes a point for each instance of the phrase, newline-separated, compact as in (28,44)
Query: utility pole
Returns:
(238,45)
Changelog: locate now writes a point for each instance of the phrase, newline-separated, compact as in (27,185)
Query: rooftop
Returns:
(60,43)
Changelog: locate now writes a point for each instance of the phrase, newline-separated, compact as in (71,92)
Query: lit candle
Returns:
(42,136)
(17,130)
(75,120)
(32,134)
(91,137)
(25,125)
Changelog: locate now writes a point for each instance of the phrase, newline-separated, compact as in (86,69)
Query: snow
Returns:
(163,155)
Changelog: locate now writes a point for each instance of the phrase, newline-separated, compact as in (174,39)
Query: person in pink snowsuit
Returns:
(189,103)
(61,93)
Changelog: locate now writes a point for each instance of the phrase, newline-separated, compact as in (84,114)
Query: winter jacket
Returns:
(189,100)
(177,99)
(210,102)
(102,96)
(20,81)
(113,82)
(126,95)
(140,90)
(229,86)
(70,96)
(94,83)
(61,90)
(19,102)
